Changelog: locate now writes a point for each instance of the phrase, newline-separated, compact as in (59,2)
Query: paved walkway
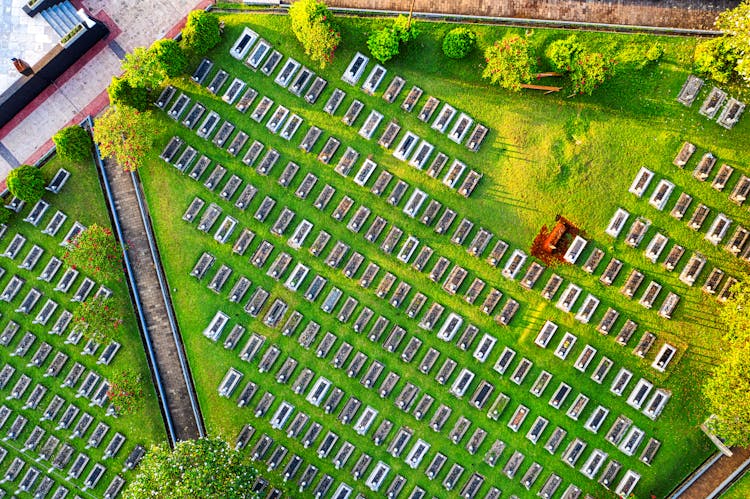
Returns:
(166,349)
(689,14)
(712,480)
(81,90)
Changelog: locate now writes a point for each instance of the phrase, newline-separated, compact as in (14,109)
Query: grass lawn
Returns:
(740,489)
(545,155)
(82,200)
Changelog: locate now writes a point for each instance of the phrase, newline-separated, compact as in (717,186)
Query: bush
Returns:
(510,63)
(406,29)
(122,92)
(562,53)
(201,32)
(715,58)
(459,42)
(589,71)
(655,52)
(95,251)
(170,56)
(26,182)
(73,144)
(383,44)
(311,24)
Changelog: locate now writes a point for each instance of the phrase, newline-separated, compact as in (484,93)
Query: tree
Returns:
(201,33)
(383,44)
(510,63)
(170,57)
(459,42)
(589,71)
(122,93)
(96,252)
(405,27)
(126,134)
(126,391)
(715,58)
(727,388)
(26,182)
(207,467)
(735,24)
(99,319)
(561,54)
(142,69)
(311,24)
(73,143)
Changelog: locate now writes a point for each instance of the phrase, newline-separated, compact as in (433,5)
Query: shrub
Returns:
(122,92)
(383,44)
(655,52)
(589,71)
(459,42)
(311,24)
(96,252)
(715,58)
(126,391)
(169,56)
(562,53)
(405,28)
(201,32)
(26,182)
(510,63)
(99,318)
(73,143)
(4,215)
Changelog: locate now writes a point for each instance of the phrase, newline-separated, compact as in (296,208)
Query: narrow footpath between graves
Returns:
(712,479)
(178,392)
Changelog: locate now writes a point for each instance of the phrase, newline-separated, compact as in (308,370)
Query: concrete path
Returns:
(166,343)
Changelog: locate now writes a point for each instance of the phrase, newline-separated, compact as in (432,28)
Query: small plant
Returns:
(459,42)
(26,182)
(73,143)
(655,52)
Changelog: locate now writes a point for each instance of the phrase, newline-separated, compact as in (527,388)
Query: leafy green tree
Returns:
(383,44)
(728,387)
(169,56)
(201,33)
(126,391)
(562,53)
(96,252)
(510,63)
(99,318)
(125,134)
(311,24)
(590,70)
(208,468)
(727,393)
(406,29)
(73,143)
(735,24)
(716,58)
(458,42)
(122,93)
(26,182)
(142,69)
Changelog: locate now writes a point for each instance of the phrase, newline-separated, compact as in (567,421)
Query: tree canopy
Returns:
(722,58)
(125,134)
(201,33)
(126,391)
(458,42)
(208,468)
(312,25)
(26,182)
(99,317)
(122,93)
(96,252)
(727,388)
(510,63)
(385,43)
(73,143)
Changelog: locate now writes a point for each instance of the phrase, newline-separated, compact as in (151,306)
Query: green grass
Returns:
(740,490)
(545,155)
(81,199)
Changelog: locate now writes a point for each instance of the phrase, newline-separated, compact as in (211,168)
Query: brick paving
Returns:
(688,14)
(155,310)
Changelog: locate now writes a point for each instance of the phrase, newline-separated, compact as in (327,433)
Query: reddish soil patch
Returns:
(550,245)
